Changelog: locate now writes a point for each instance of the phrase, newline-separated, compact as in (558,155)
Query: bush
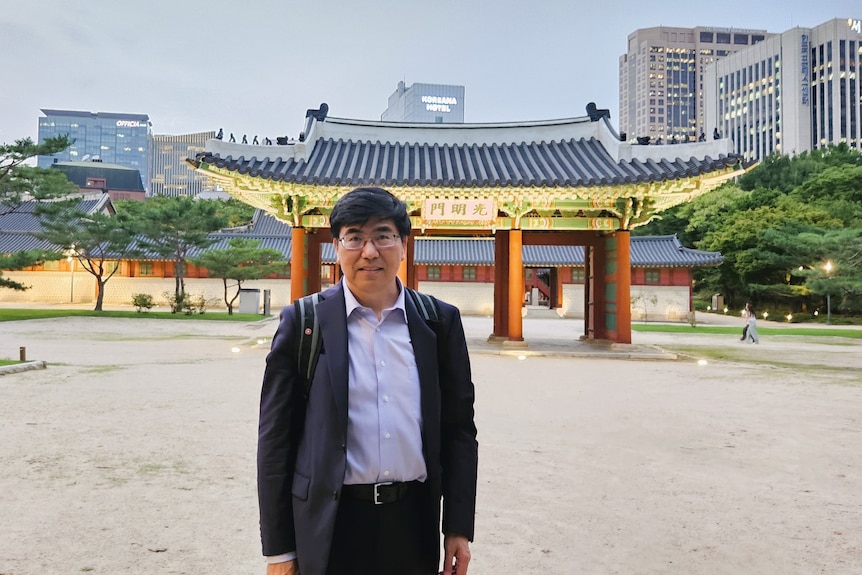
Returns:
(179,304)
(143,301)
(201,303)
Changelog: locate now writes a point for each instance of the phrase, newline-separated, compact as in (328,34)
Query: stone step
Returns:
(539,311)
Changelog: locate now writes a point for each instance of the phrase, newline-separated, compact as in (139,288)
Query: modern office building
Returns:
(170,174)
(794,92)
(121,139)
(426,103)
(661,79)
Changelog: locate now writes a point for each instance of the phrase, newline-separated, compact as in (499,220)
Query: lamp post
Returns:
(828,268)
(70,257)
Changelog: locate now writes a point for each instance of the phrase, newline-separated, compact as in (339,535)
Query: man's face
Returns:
(370,270)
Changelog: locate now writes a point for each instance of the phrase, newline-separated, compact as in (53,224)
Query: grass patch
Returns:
(716,329)
(9,362)
(20,314)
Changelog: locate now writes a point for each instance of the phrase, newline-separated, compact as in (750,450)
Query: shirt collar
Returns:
(351,303)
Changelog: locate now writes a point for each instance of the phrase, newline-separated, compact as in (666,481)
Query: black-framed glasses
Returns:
(381,240)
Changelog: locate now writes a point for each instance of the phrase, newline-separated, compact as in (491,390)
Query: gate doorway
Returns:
(542,288)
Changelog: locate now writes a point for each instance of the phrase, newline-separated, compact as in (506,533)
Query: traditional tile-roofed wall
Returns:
(17,224)
(646,251)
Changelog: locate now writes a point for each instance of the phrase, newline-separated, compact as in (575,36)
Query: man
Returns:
(350,480)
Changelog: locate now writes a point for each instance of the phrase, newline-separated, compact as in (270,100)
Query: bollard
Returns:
(22,352)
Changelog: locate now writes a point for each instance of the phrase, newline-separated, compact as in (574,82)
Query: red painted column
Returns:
(298,270)
(410,263)
(312,283)
(501,285)
(516,286)
(624,287)
(612,295)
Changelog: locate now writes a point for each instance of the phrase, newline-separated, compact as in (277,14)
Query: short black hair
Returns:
(361,205)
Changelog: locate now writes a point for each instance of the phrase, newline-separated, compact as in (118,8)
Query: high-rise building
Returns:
(170,174)
(426,103)
(661,78)
(121,139)
(795,92)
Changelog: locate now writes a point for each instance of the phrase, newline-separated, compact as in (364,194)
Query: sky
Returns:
(255,67)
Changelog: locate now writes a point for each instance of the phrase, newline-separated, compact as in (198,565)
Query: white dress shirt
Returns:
(384,417)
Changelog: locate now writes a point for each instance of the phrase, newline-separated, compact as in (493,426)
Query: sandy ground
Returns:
(134,453)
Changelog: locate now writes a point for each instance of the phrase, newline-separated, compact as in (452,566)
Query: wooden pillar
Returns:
(312,283)
(298,270)
(410,263)
(597,290)
(501,286)
(516,286)
(612,288)
(589,311)
(555,288)
(623,293)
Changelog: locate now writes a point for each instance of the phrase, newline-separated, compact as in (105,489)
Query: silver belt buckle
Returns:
(377,492)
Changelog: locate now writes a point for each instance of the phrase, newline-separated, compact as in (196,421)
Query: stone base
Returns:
(515,344)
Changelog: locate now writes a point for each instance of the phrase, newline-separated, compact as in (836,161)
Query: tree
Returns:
(244,260)
(19,182)
(171,227)
(98,240)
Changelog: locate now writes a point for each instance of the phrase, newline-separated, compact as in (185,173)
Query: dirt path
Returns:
(134,453)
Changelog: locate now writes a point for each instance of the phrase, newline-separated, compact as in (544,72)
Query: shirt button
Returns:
(386,398)
(383,364)
(386,473)
(387,436)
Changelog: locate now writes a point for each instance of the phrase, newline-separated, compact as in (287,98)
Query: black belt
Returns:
(379,493)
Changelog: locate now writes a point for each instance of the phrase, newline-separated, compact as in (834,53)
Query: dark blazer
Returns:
(302,459)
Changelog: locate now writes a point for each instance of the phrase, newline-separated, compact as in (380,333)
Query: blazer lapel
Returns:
(333,327)
(424,342)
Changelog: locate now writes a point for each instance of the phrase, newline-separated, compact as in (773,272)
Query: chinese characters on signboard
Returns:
(459,210)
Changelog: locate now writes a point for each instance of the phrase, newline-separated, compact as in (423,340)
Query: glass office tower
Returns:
(661,79)
(796,92)
(121,139)
(171,175)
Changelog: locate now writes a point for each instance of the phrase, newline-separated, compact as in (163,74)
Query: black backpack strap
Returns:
(426,304)
(308,341)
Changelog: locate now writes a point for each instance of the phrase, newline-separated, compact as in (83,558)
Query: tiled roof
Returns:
(573,153)
(646,251)
(116,177)
(667,251)
(19,223)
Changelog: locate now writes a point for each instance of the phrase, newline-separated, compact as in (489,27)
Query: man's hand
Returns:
(457,558)
(285,568)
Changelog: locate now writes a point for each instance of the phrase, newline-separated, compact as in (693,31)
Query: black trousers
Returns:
(377,539)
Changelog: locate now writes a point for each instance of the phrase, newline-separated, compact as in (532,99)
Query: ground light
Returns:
(235,349)
(701,362)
